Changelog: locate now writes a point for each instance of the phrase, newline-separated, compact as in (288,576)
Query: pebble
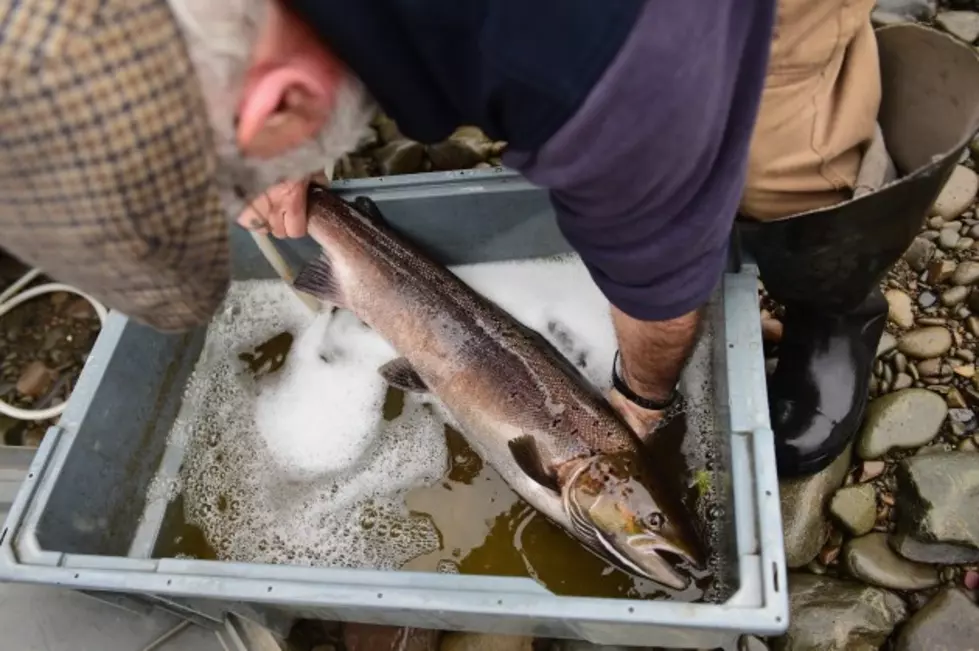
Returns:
(803,500)
(939,271)
(966,355)
(899,308)
(954,398)
(904,419)
(936,223)
(948,238)
(957,194)
(948,622)
(971,580)
(961,24)
(919,253)
(35,380)
(872,470)
(372,637)
(954,296)
(974,231)
(930,367)
(887,343)
(966,273)
(902,381)
(927,299)
(909,9)
(966,371)
(900,362)
(871,560)
(938,508)
(80,309)
(827,614)
(925,343)
(751,643)
(964,244)
(855,507)
(400,156)
(962,421)
(478,642)
(466,147)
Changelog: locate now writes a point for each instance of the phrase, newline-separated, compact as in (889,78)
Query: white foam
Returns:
(299,466)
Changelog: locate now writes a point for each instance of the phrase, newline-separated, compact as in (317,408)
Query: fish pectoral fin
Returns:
(399,373)
(527,455)
(317,278)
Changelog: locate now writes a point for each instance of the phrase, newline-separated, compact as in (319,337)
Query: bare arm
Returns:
(653,354)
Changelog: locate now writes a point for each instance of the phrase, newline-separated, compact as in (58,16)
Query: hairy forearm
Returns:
(654,352)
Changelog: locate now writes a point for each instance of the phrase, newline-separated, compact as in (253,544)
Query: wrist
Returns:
(655,395)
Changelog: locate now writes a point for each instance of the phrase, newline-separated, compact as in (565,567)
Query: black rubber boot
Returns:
(825,266)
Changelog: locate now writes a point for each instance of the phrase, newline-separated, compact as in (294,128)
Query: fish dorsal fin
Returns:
(369,208)
(318,279)
(399,373)
(527,455)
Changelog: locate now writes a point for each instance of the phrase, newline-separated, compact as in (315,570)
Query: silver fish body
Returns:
(520,404)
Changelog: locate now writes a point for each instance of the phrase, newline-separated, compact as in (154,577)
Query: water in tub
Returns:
(298,452)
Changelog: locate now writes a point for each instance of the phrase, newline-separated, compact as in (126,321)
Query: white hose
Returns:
(9,299)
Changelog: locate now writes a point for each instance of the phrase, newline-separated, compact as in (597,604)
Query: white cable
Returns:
(10,299)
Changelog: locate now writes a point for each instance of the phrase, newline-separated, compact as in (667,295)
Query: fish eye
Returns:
(653,520)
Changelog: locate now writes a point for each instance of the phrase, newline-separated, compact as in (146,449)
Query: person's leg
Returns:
(820,252)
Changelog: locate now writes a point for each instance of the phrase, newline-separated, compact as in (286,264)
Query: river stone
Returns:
(904,419)
(372,637)
(855,507)
(930,367)
(954,296)
(958,194)
(948,238)
(751,643)
(871,560)
(940,270)
(899,308)
(919,254)
(902,381)
(948,622)
(401,156)
(961,24)
(478,642)
(925,343)
(919,10)
(466,147)
(887,343)
(938,506)
(828,614)
(966,273)
(804,521)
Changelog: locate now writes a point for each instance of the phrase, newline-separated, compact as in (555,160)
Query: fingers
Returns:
(280,210)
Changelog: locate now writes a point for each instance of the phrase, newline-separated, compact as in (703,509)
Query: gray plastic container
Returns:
(78,519)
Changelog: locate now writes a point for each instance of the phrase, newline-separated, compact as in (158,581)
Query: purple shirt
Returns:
(647,175)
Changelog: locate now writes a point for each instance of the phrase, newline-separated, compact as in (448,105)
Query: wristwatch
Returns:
(635,398)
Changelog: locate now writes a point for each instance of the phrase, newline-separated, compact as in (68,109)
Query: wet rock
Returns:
(971,580)
(466,147)
(900,362)
(904,419)
(855,507)
(964,244)
(387,129)
(886,344)
(949,622)
(899,308)
(804,522)
(954,399)
(371,637)
(954,296)
(962,421)
(918,10)
(871,560)
(828,614)
(477,642)
(927,299)
(966,273)
(958,194)
(80,309)
(938,508)
(961,24)
(919,254)
(948,238)
(965,370)
(400,157)
(925,343)
(35,380)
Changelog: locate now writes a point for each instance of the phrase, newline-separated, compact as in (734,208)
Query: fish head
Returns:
(610,505)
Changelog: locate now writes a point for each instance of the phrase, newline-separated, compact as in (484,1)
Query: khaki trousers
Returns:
(818,111)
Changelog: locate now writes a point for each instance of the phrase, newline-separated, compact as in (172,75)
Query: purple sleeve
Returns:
(646,177)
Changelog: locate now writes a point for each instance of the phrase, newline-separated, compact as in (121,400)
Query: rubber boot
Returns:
(825,266)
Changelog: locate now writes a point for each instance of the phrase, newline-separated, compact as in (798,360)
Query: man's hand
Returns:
(652,355)
(281,209)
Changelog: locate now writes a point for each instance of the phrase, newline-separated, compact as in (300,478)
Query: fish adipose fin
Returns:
(527,455)
(400,374)
(317,278)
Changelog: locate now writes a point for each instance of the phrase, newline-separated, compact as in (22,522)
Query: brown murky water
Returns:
(486,528)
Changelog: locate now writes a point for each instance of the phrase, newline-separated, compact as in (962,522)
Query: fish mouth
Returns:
(648,554)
